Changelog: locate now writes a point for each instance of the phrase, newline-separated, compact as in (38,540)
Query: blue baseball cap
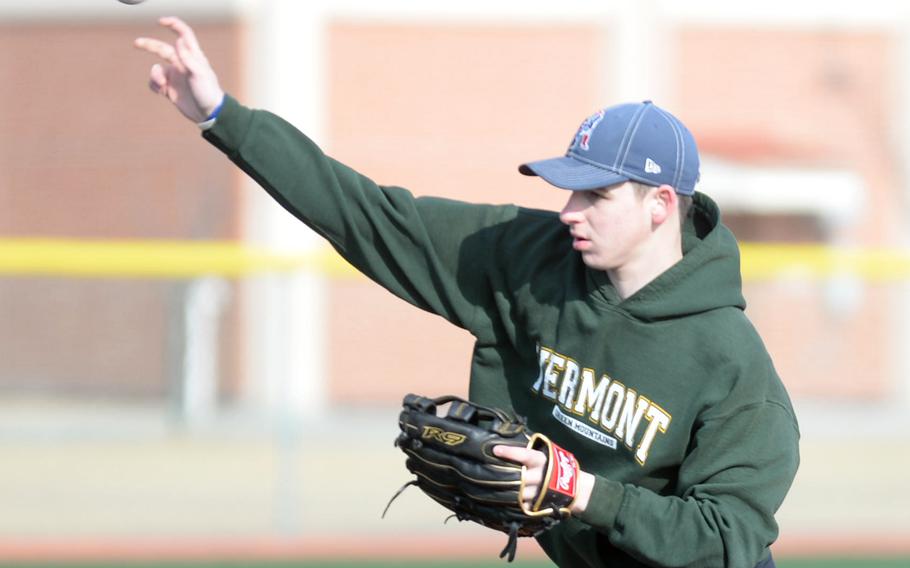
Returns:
(635,141)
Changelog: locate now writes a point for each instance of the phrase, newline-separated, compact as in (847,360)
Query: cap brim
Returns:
(568,173)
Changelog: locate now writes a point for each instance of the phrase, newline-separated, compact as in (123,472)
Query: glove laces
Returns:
(512,544)
(395,496)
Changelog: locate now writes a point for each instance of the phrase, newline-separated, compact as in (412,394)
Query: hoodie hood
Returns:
(707,278)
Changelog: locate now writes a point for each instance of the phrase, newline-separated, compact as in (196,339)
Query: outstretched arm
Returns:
(184,76)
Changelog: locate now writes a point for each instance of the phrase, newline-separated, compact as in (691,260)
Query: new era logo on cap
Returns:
(636,141)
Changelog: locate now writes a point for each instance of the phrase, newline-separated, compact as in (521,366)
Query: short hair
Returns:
(684,201)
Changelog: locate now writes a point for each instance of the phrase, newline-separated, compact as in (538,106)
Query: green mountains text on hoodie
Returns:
(668,397)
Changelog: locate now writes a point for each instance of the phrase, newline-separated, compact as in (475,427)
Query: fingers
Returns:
(524,456)
(532,474)
(183,31)
(164,50)
(533,479)
(185,54)
(187,45)
(192,59)
(157,79)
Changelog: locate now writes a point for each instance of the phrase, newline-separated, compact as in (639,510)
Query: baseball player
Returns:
(615,326)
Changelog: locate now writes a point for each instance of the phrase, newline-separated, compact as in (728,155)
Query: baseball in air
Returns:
(131,1)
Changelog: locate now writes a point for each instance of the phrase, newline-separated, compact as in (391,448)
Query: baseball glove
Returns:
(452,458)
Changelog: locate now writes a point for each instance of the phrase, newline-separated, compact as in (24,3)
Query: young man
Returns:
(616,327)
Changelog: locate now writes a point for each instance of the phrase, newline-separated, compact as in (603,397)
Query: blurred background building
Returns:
(173,403)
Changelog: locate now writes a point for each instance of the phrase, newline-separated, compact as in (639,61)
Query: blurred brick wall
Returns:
(86,151)
(809,98)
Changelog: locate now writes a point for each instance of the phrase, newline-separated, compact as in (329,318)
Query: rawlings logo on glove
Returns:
(452,459)
(568,466)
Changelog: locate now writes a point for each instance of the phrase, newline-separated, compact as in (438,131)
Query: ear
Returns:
(663,204)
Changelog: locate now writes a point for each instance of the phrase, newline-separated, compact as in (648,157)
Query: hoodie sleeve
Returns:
(736,475)
(417,248)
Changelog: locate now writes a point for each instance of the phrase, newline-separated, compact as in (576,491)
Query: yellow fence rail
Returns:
(189,259)
(155,259)
(769,261)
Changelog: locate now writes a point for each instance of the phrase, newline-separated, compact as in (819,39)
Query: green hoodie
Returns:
(668,397)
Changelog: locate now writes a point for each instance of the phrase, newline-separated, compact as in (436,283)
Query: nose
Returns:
(571,212)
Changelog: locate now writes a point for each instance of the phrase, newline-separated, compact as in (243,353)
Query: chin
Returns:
(595,263)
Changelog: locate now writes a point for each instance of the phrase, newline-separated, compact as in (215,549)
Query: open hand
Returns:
(186,78)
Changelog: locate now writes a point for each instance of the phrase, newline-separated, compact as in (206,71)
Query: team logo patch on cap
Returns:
(583,137)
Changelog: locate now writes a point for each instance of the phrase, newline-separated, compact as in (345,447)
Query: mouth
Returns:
(580,243)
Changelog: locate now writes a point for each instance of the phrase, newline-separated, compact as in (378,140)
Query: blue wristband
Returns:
(215,112)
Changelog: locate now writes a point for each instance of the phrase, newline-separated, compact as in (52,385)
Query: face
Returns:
(609,226)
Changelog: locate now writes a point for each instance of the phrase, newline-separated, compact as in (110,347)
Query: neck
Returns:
(645,267)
